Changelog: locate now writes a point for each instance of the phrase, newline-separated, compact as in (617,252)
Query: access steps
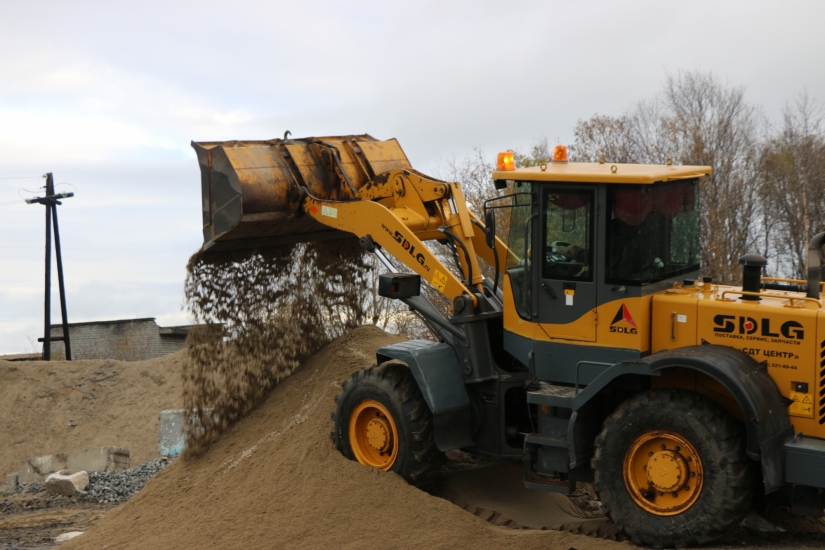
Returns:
(547,451)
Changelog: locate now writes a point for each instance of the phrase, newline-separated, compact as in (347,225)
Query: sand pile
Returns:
(274,480)
(268,310)
(59,406)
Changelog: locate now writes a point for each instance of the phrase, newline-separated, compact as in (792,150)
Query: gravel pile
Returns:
(110,487)
(31,488)
(121,486)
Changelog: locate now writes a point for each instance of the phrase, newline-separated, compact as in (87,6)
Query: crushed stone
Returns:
(105,487)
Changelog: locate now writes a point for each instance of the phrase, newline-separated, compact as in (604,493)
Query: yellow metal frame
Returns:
(401,209)
(790,341)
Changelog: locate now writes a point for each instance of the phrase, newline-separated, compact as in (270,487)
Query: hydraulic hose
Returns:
(456,240)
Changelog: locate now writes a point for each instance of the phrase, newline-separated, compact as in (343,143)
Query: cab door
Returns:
(565,262)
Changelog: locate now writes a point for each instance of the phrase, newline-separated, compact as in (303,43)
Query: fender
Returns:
(763,407)
(438,374)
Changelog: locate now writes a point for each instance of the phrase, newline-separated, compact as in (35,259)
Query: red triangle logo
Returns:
(624,315)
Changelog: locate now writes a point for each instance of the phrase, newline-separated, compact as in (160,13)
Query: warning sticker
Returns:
(329,211)
(439,280)
(802,405)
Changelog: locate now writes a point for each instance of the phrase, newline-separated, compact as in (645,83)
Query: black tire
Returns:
(727,490)
(418,459)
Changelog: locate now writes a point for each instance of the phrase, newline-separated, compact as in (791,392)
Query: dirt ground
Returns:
(39,528)
(274,480)
(59,406)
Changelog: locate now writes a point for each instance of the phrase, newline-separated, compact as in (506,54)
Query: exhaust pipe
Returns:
(814,273)
(752,274)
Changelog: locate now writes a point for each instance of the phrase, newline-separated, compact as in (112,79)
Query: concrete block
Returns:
(101,459)
(172,437)
(11,482)
(66,482)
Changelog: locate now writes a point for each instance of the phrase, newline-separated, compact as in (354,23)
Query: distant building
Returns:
(124,340)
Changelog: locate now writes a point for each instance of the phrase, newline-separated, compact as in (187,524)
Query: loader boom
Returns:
(400,210)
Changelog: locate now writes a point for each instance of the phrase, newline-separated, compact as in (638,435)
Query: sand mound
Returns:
(59,406)
(274,480)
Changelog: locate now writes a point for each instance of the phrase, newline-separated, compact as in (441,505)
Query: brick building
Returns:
(124,340)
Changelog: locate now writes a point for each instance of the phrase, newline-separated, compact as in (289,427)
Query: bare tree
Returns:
(712,124)
(793,172)
(605,136)
(540,152)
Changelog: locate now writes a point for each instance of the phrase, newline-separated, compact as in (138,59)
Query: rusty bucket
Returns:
(252,190)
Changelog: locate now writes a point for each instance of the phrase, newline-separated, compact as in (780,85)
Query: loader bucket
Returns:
(252,190)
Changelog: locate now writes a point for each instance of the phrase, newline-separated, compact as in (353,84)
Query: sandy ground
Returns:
(59,406)
(274,480)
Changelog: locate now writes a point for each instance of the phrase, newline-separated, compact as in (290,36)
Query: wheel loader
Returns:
(597,352)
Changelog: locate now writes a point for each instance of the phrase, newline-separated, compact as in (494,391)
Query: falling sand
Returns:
(266,310)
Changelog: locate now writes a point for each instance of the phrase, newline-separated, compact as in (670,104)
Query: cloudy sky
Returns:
(108,96)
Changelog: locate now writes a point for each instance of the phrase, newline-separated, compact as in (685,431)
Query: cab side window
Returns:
(520,242)
(567,243)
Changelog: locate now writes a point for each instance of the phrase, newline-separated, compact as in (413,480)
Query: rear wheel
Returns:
(671,470)
(381,420)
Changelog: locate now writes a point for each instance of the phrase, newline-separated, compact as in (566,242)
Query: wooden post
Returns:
(50,201)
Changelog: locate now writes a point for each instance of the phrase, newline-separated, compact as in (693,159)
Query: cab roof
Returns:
(593,172)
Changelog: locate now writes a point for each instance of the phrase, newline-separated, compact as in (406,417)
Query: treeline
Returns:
(767,191)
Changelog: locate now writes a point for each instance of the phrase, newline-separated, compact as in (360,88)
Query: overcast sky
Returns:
(108,95)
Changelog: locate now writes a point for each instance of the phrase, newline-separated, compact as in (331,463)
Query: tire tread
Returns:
(423,470)
(729,438)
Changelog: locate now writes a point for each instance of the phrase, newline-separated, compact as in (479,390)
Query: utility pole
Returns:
(50,201)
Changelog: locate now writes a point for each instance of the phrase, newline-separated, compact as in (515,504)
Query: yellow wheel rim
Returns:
(373,435)
(663,473)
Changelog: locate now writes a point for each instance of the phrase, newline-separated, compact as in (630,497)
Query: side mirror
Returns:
(490,228)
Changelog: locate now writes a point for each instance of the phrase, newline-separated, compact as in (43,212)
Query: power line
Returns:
(23,178)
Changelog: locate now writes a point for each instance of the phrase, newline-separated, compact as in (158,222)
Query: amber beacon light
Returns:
(506,161)
(560,153)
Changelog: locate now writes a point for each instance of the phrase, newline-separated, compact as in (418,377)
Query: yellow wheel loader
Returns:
(596,353)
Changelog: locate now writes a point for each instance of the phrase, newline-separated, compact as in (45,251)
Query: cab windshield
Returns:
(653,232)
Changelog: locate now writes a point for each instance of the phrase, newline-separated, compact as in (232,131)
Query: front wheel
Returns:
(671,469)
(382,421)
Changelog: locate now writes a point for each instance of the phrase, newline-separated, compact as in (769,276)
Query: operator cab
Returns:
(590,243)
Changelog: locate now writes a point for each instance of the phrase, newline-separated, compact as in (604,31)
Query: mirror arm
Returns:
(490,235)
